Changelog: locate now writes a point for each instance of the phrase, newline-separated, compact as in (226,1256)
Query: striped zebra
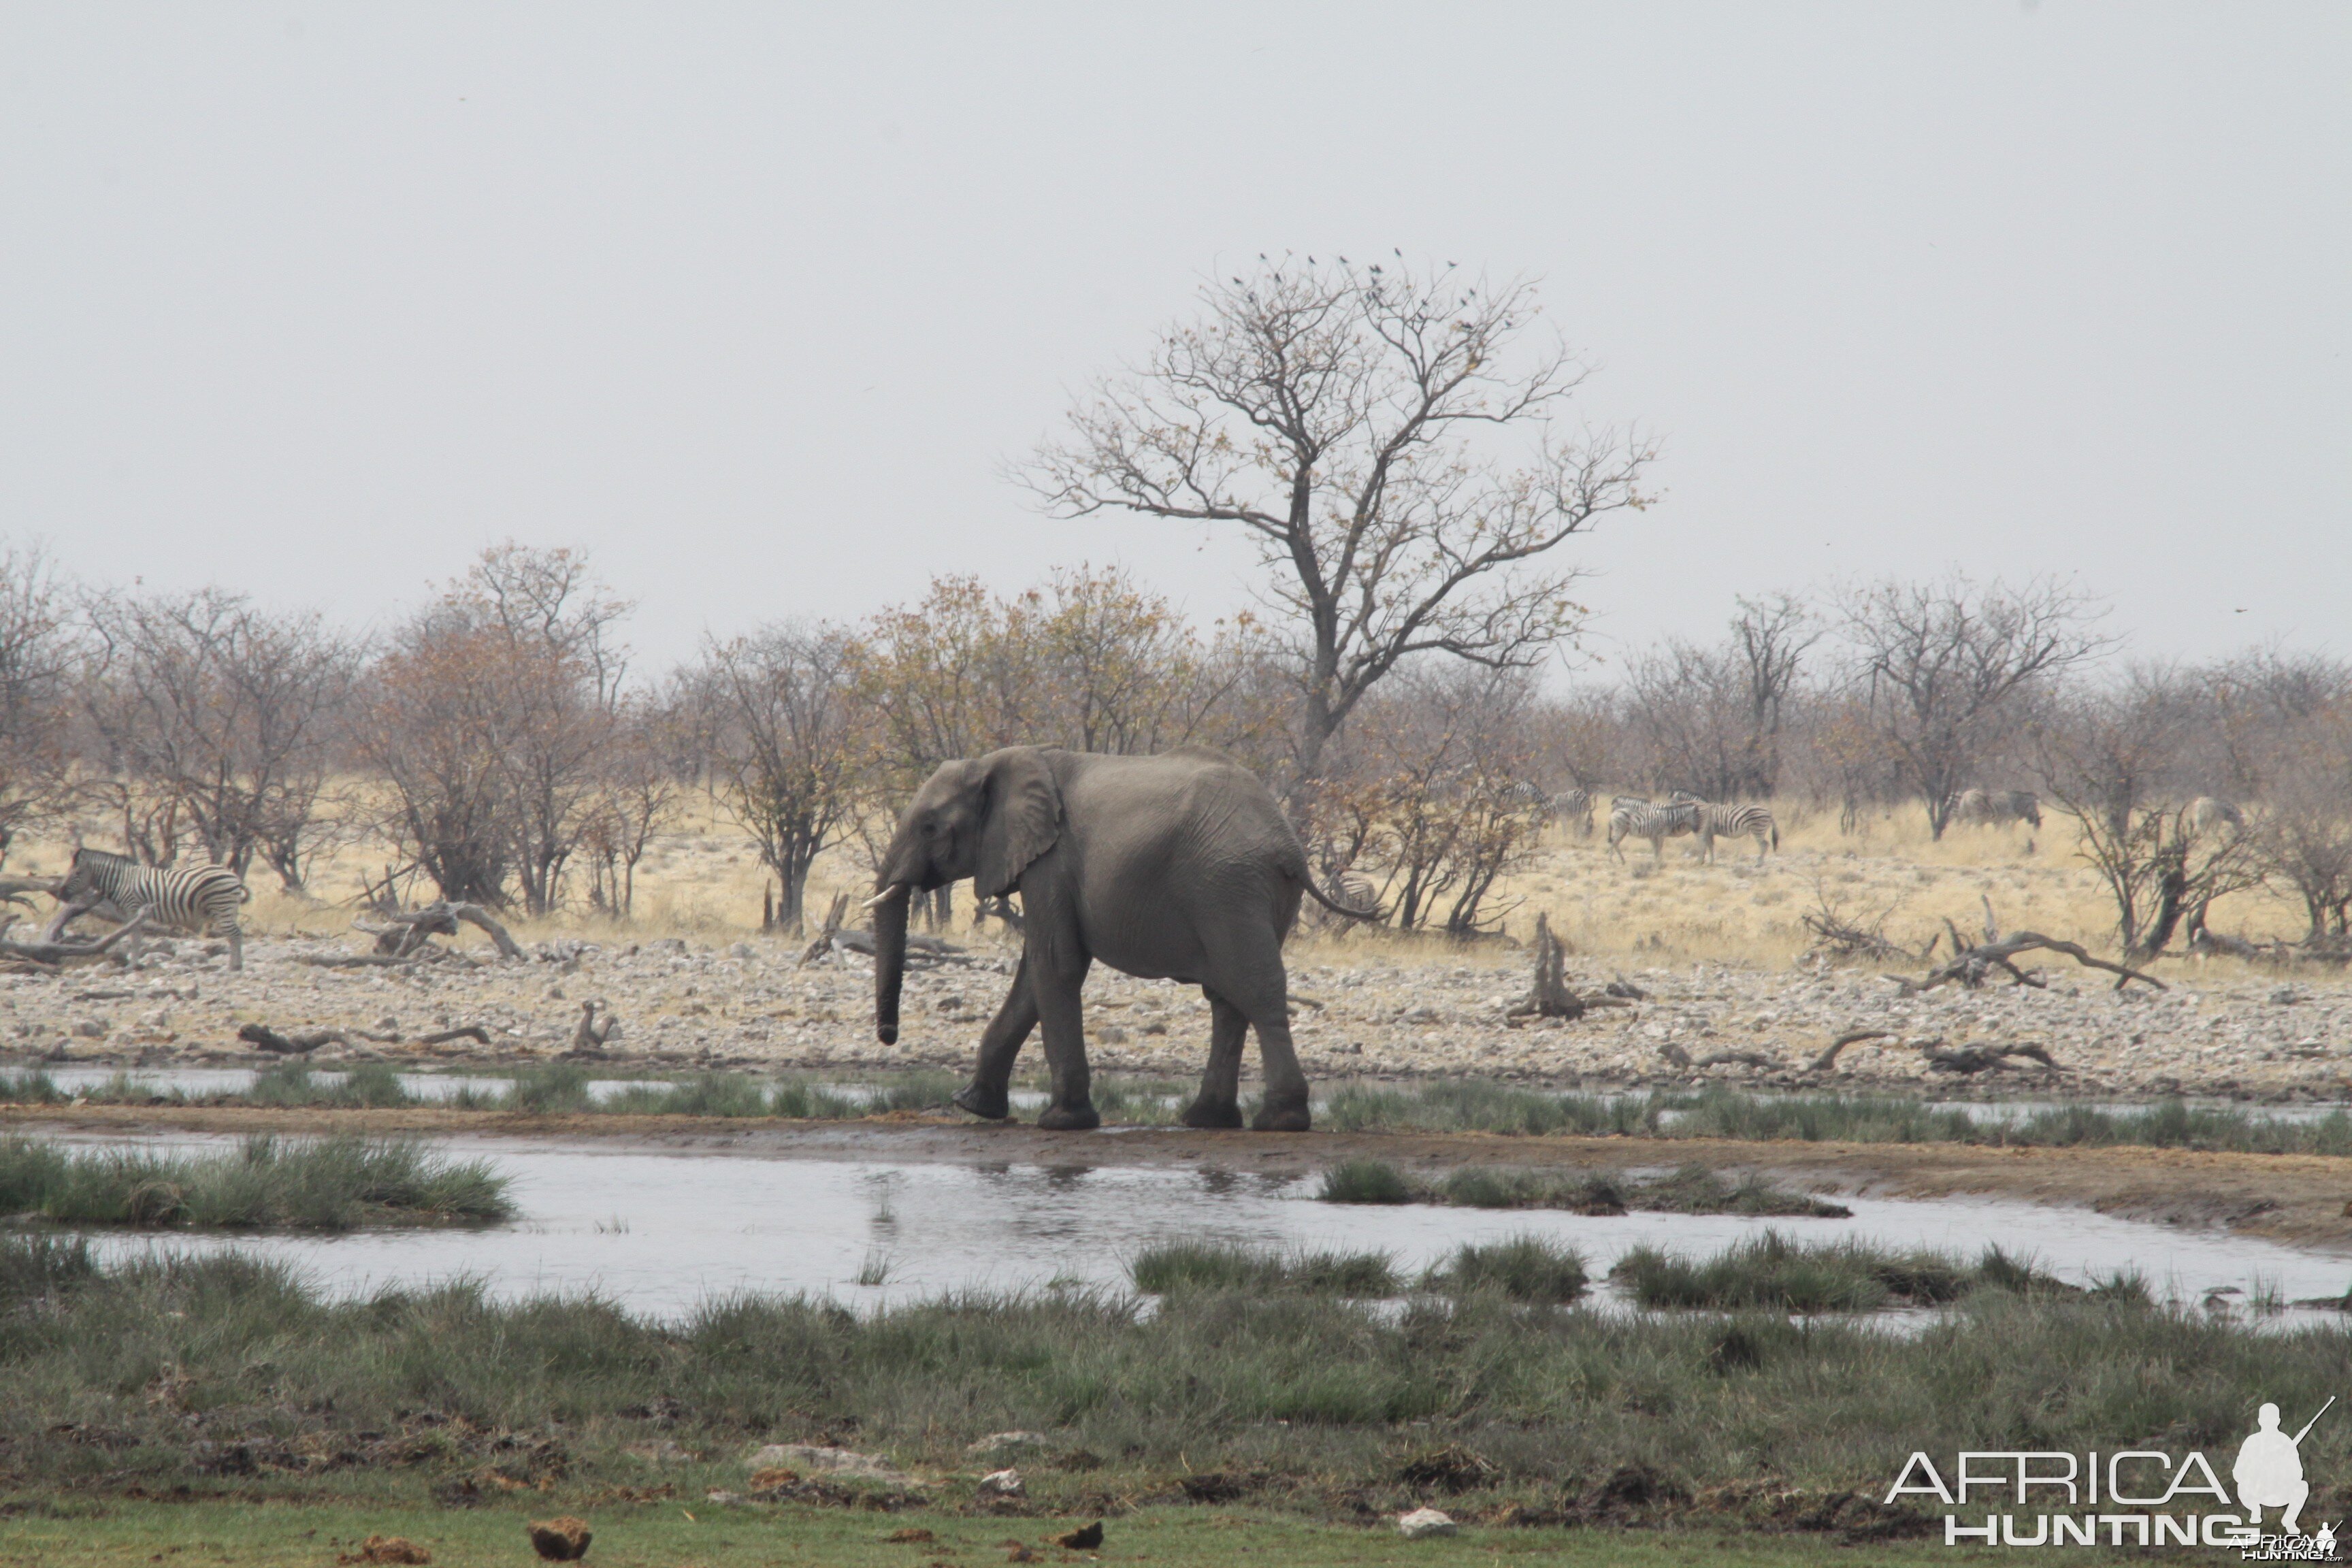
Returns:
(1731,822)
(1574,805)
(1355,890)
(202,898)
(1995,807)
(1521,796)
(1629,816)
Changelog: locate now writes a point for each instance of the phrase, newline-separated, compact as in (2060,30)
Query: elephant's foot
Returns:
(1211,1114)
(1282,1116)
(989,1104)
(1079,1117)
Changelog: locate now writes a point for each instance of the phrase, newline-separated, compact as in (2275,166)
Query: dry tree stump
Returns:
(1548,993)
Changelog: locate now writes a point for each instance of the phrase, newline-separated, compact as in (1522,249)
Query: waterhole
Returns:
(660,1230)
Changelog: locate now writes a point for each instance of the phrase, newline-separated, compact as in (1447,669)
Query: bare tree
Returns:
(39,654)
(557,628)
(2304,833)
(431,729)
(2305,839)
(1942,665)
(1771,637)
(1429,793)
(2104,757)
(492,711)
(786,751)
(638,788)
(1344,416)
(223,716)
(1710,719)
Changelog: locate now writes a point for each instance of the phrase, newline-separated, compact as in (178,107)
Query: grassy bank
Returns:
(1524,1269)
(1463,1106)
(1775,1274)
(223,1373)
(1473,1107)
(1694,1189)
(664,1532)
(329,1183)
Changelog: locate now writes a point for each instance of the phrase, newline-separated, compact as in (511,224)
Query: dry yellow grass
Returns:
(703,880)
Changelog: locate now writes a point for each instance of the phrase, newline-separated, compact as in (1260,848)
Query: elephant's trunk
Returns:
(889,961)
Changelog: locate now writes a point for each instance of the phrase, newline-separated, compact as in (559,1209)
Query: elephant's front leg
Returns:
(990,1092)
(1059,1016)
(1219,1104)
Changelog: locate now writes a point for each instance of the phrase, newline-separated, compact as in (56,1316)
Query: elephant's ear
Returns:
(1025,817)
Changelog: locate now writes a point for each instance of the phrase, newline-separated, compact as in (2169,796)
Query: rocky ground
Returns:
(1365,1010)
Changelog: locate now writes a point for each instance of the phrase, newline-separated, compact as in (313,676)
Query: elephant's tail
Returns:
(1372,913)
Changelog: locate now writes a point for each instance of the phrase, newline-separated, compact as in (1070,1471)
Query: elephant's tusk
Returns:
(883,897)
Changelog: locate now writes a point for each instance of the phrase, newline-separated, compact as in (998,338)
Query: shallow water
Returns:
(199,1083)
(661,1231)
(441,1087)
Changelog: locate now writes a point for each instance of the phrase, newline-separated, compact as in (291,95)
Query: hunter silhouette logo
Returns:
(2269,1471)
(2131,1497)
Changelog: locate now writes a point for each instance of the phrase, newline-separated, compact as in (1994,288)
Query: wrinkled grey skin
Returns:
(1178,867)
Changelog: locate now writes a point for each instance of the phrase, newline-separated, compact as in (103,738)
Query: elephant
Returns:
(1178,867)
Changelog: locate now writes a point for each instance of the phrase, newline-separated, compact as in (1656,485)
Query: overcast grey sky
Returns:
(755,302)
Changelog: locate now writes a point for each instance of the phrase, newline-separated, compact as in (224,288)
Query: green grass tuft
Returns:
(1524,1268)
(1773,1273)
(556,1089)
(1190,1266)
(332,1183)
(1365,1182)
(32,1087)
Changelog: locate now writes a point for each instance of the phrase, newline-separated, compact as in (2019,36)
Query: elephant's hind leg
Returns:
(1286,1108)
(990,1092)
(1219,1101)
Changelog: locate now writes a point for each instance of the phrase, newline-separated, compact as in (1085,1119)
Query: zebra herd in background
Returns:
(1629,816)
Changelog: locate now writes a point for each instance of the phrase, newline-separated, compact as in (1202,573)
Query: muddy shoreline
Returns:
(2299,1200)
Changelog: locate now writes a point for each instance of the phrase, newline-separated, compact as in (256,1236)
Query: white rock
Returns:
(808,1457)
(997,1441)
(1423,1522)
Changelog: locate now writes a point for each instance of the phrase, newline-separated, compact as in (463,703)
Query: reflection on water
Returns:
(659,1232)
(198,1083)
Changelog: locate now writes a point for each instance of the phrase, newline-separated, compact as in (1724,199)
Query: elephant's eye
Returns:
(935,828)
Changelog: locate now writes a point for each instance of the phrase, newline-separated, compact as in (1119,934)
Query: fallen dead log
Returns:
(1740,1059)
(1970,1059)
(404,934)
(354,960)
(58,953)
(263,1038)
(14,888)
(1827,1060)
(65,915)
(463,1032)
(919,948)
(1973,965)
(2336,952)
